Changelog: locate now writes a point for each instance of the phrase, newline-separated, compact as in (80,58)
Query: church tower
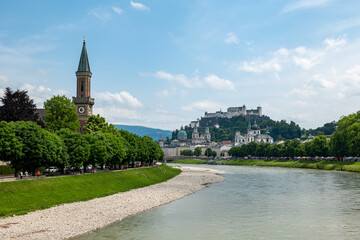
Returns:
(83,100)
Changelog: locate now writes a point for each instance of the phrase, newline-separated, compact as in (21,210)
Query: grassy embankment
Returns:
(339,166)
(189,161)
(21,197)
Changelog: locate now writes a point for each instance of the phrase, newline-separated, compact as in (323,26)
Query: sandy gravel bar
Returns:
(70,220)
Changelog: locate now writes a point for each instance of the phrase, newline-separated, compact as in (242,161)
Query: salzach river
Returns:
(254,203)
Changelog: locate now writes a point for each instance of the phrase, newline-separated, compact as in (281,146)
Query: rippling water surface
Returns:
(254,203)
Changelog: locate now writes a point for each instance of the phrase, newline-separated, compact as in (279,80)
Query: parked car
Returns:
(51,170)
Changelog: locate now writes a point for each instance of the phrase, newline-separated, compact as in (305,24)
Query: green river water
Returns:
(254,203)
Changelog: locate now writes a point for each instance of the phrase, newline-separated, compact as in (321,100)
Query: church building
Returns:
(83,101)
(253,135)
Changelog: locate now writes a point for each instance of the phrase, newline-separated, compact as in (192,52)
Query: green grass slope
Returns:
(21,197)
(189,161)
(339,166)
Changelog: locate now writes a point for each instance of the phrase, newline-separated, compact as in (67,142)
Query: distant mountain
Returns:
(146,131)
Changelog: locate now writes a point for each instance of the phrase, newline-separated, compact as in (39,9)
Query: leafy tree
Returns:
(34,150)
(159,153)
(77,146)
(152,147)
(61,113)
(327,129)
(210,153)
(197,151)
(251,148)
(214,153)
(100,149)
(276,150)
(320,146)
(300,150)
(186,152)
(131,144)
(262,149)
(96,123)
(55,151)
(118,149)
(10,145)
(17,106)
(290,147)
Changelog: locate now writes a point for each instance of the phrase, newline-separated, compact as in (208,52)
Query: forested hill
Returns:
(145,131)
(229,126)
(279,130)
(327,129)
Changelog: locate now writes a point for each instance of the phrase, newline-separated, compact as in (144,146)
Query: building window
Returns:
(82,86)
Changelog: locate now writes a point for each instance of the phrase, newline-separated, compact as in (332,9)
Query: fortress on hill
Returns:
(234,112)
(211,119)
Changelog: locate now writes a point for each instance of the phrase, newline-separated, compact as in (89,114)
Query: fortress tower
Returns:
(83,100)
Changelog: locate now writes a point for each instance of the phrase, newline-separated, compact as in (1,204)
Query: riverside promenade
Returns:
(70,220)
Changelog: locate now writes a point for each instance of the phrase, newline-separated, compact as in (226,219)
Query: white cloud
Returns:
(303,4)
(40,93)
(331,43)
(116,98)
(139,6)
(4,79)
(231,38)
(202,106)
(343,25)
(307,58)
(322,82)
(161,111)
(163,93)
(115,114)
(258,66)
(101,14)
(211,81)
(219,83)
(117,10)
(182,79)
(305,92)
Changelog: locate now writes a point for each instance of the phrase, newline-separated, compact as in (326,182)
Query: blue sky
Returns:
(164,63)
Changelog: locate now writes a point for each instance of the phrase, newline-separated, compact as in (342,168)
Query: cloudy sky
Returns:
(164,63)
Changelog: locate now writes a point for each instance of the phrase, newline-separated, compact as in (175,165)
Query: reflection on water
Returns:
(254,203)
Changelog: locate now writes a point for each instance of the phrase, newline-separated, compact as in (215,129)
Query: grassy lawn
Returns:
(21,197)
(189,161)
(340,166)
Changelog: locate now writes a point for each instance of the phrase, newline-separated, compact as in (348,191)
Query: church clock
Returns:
(81,109)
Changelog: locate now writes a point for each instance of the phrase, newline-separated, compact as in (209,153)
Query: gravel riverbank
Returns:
(70,220)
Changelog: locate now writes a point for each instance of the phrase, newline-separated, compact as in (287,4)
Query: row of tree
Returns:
(319,146)
(29,146)
(197,152)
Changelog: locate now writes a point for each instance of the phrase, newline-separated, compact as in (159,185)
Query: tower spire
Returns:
(84,61)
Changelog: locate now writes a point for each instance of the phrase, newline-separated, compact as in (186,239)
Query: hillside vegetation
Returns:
(228,127)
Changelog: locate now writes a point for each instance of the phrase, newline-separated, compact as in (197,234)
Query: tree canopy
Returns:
(17,106)
(61,113)
(95,123)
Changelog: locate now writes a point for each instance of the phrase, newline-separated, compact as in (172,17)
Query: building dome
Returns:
(182,133)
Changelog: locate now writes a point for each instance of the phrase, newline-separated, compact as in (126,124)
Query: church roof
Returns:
(182,133)
(84,61)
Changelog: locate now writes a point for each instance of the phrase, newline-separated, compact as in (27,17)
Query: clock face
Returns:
(81,109)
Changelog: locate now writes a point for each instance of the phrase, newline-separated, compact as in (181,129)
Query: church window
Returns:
(82,86)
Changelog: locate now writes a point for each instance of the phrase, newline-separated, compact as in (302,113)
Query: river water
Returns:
(254,203)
